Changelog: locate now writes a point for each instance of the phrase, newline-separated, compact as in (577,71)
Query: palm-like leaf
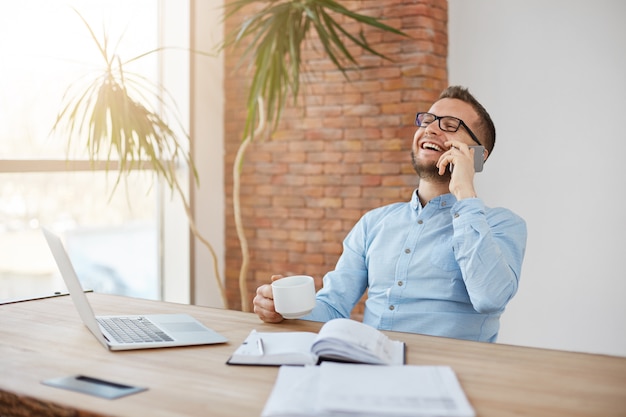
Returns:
(275,35)
(115,116)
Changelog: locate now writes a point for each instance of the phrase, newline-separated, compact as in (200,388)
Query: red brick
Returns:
(343,213)
(362,157)
(287,245)
(307,213)
(380,168)
(363,133)
(343,99)
(343,169)
(325,202)
(306,258)
(307,145)
(325,179)
(362,87)
(288,201)
(325,224)
(362,180)
(382,120)
(346,146)
(312,191)
(273,234)
(361,110)
(358,203)
(305,236)
(320,157)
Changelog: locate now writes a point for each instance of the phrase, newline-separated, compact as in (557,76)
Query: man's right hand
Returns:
(264,303)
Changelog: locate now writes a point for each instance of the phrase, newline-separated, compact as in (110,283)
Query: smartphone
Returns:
(479,159)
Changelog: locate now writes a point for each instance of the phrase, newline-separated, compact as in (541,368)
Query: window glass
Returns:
(111,237)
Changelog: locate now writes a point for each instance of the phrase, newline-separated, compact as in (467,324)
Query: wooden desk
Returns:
(499,380)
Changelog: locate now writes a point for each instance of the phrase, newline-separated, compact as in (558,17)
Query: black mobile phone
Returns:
(479,159)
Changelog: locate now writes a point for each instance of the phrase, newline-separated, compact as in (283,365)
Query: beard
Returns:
(427,170)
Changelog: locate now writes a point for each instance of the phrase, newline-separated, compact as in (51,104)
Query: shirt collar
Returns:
(442,202)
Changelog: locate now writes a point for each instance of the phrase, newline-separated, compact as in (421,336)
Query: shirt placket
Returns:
(399,287)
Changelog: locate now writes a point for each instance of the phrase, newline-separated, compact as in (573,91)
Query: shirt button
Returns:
(407,250)
(444,203)
(391,308)
(456,215)
(400,283)
(420,221)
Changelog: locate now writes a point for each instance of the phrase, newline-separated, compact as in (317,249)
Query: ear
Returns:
(485,154)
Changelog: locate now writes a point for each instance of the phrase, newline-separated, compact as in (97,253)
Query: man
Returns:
(441,264)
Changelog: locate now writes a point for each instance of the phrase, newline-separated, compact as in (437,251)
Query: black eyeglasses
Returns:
(446,123)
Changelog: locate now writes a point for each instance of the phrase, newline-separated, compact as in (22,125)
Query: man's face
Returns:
(428,142)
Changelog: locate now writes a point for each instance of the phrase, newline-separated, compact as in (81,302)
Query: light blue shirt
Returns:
(446,269)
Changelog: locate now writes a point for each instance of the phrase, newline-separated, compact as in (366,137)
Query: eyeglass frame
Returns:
(438,119)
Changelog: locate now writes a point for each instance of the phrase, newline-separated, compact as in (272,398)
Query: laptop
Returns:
(150,330)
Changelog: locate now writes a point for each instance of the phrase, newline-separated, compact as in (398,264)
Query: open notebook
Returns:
(130,331)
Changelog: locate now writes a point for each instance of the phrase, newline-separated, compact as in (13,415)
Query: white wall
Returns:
(553,76)
(174,229)
(208,129)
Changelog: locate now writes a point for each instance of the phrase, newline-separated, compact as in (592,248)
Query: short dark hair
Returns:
(487,129)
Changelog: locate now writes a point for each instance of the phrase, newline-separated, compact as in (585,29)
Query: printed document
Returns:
(358,390)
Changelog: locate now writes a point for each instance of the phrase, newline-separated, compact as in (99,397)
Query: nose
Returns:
(433,127)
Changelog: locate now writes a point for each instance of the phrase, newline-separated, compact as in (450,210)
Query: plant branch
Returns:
(198,235)
(243,242)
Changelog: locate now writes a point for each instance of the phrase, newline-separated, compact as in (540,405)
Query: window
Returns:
(114,240)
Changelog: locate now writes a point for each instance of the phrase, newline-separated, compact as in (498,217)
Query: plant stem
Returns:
(243,242)
(198,235)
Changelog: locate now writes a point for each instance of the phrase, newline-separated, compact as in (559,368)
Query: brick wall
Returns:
(342,150)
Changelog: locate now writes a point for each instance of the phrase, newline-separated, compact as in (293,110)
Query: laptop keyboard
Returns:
(133,330)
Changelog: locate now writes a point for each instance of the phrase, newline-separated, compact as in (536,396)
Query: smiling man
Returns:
(441,264)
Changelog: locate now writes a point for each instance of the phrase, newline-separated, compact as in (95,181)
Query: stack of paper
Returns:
(333,389)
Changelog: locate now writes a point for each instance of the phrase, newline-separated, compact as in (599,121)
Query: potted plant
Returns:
(271,38)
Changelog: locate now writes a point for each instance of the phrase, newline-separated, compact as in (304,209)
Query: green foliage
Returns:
(114,115)
(274,38)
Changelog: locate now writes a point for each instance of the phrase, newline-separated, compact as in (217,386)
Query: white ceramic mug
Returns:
(294,296)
